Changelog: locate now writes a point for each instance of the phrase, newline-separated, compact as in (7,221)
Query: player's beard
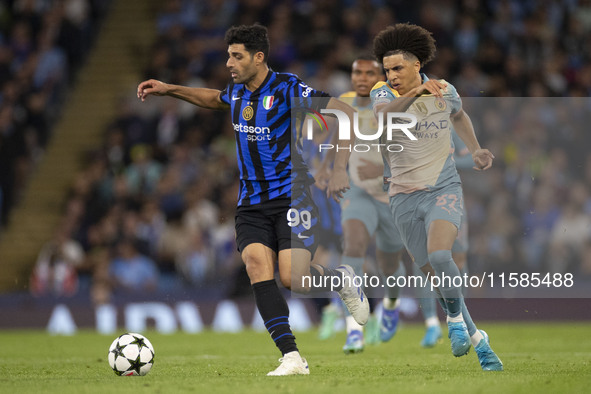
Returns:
(245,77)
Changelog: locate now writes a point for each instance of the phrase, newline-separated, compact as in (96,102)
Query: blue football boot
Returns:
(460,339)
(354,342)
(432,335)
(389,323)
(489,361)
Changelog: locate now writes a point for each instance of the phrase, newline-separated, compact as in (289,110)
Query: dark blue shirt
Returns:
(269,160)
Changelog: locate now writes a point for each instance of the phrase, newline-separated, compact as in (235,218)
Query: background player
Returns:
(273,182)
(330,243)
(364,208)
(365,211)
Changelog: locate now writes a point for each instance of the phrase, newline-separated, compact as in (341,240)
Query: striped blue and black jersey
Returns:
(268,158)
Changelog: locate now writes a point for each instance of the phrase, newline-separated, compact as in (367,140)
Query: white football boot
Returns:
(291,364)
(353,296)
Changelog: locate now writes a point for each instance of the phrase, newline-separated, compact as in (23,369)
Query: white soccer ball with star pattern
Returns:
(131,355)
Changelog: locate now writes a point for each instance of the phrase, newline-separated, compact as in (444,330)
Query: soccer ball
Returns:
(131,355)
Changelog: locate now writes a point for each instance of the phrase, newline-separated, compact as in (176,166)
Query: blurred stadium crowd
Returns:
(154,206)
(42,46)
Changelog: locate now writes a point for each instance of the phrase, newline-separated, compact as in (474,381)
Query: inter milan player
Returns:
(275,218)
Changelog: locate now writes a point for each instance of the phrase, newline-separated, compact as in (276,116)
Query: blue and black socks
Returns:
(275,313)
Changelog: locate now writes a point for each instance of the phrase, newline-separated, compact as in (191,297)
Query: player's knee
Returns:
(440,258)
(252,265)
(389,263)
(255,268)
(389,268)
(355,247)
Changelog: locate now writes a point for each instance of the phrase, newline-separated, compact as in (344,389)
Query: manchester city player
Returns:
(463,160)
(275,218)
(425,188)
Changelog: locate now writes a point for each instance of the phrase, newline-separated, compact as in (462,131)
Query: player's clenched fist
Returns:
(153,87)
(483,158)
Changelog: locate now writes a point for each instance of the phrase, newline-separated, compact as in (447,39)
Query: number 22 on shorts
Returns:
(449,202)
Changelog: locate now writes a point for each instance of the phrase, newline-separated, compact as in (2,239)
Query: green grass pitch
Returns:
(538,358)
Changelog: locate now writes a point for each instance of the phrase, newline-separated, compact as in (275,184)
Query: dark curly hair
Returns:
(405,39)
(254,37)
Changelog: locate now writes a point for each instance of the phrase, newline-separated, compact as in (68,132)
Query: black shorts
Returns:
(279,224)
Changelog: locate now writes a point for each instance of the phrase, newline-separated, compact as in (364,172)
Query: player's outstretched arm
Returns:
(483,158)
(202,97)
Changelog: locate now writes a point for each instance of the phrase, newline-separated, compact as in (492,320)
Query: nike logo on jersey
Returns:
(300,236)
(234,98)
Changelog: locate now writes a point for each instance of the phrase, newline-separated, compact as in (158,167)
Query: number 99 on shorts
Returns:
(296,218)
